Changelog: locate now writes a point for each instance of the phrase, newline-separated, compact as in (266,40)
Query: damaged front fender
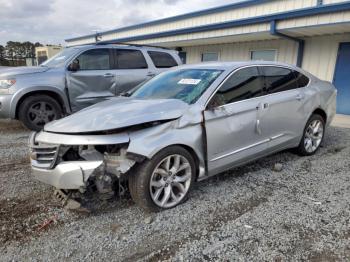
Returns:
(150,141)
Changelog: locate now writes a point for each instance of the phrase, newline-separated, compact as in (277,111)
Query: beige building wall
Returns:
(51,50)
(286,50)
(320,52)
(321,55)
(266,8)
(48,51)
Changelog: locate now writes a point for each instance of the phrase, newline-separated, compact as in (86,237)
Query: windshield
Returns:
(60,58)
(184,84)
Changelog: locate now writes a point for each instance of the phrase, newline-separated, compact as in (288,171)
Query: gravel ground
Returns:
(252,213)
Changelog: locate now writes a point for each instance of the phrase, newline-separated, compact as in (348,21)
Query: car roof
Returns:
(234,65)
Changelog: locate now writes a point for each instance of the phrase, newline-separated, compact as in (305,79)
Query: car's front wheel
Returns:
(312,136)
(164,181)
(38,110)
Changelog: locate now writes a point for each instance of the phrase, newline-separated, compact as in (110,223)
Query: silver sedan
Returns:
(184,125)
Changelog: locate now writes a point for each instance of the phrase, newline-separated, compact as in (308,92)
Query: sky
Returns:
(52,21)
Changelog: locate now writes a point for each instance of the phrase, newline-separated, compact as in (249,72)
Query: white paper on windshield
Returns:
(189,81)
(60,58)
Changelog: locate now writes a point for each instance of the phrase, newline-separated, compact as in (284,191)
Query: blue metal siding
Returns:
(342,79)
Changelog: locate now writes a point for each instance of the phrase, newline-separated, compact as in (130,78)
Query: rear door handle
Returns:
(300,97)
(108,75)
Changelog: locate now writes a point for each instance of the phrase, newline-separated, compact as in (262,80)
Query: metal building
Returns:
(313,34)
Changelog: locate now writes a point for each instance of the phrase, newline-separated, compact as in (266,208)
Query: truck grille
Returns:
(43,155)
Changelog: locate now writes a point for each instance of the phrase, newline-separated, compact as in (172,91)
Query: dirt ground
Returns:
(251,213)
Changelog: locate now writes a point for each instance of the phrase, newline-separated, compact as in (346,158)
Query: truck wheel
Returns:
(35,111)
(312,136)
(164,181)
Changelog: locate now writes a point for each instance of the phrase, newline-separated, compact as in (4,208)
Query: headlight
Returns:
(7,83)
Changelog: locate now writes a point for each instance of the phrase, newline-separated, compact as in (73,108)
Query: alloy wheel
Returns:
(170,181)
(313,136)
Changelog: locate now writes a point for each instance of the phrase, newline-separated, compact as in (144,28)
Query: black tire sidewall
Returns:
(301,148)
(139,183)
(29,101)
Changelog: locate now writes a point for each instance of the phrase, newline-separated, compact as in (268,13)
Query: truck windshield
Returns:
(184,84)
(60,58)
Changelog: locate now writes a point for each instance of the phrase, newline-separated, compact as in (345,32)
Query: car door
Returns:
(131,69)
(94,81)
(282,116)
(231,124)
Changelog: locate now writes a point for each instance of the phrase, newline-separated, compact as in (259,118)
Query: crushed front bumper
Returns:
(67,175)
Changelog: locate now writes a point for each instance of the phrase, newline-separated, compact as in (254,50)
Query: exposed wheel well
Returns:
(322,113)
(52,94)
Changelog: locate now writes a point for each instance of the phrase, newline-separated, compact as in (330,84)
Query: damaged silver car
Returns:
(182,126)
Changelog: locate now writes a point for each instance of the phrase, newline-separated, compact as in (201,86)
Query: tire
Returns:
(166,183)
(36,111)
(310,135)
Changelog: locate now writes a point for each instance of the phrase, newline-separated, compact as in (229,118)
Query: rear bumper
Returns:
(5,106)
(67,175)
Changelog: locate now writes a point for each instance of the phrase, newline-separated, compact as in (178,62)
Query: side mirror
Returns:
(74,66)
(213,104)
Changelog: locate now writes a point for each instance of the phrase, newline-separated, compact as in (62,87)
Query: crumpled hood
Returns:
(21,70)
(118,113)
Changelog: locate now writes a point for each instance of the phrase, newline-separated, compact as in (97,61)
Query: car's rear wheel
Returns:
(164,181)
(312,136)
(36,111)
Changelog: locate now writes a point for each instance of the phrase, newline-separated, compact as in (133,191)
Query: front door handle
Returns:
(262,106)
(108,75)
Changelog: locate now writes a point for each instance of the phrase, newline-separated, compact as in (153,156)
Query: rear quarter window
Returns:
(162,59)
(301,79)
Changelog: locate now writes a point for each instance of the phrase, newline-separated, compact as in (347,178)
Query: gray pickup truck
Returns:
(76,78)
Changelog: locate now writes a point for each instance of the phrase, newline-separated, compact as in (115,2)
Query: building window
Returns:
(264,55)
(210,56)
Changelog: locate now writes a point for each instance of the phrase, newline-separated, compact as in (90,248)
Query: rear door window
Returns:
(130,59)
(162,59)
(279,79)
(244,84)
(95,59)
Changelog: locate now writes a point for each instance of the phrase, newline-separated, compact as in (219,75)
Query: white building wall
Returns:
(320,54)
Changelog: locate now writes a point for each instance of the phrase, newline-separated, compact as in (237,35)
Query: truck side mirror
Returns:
(74,66)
